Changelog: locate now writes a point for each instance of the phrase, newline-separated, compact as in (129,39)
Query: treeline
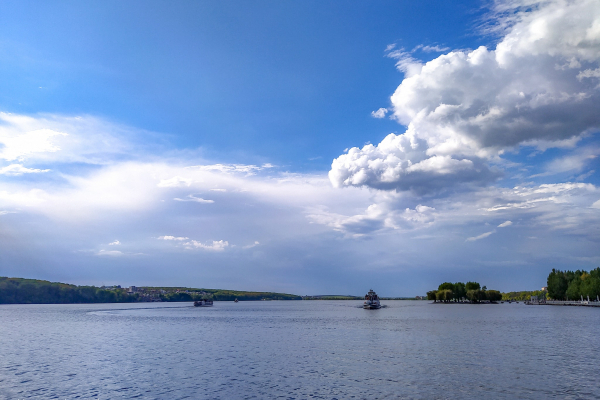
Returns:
(33,291)
(524,295)
(226,295)
(571,285)
(453,292)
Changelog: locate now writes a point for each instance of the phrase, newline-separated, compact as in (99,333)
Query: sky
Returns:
(301,147)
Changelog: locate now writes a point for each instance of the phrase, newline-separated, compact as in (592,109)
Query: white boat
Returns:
(371,301)
(203,303)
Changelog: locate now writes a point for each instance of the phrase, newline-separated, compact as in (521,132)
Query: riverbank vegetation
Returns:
(571,285)
(33,291)
(25,291)
(524,295)
(471,291)
(188,294)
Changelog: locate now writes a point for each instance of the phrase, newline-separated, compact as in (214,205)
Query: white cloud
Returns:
(65,139)
(18,169)
(110,253)
(233,168)
(191,197)
(564,207)
(176,238)
(589,73)
(472,106)
(482,236)
(115,243)
(20,145)
(596,204)
(405,62)
(380,113)
(575,161)
(431,49)
(385,214)
(218,190)
(401,162)
(176,181)
(256,243)
(583,177)
(216,245)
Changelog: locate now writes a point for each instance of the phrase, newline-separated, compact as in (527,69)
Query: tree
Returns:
(460,290)
(475,295)
(472,286)
(431,295)
(573,291)
(444,295)
(590,286)
(493,295)
(446,286)
(557,284)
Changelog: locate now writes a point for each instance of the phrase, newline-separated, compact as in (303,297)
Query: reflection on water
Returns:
(298,350)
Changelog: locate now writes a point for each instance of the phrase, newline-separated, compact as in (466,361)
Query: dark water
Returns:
(299,350)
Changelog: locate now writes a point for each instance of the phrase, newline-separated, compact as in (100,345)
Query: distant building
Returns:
(132,289)
(545,289)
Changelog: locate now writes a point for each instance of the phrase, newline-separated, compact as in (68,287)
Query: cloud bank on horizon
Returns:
(454,188)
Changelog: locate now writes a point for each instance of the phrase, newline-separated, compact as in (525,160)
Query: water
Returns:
(298,350)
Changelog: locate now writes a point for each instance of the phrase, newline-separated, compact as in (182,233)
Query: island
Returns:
(459,292)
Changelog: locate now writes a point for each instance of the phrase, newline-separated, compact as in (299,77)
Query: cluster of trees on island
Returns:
(33,291)
(453,292)
(571,285)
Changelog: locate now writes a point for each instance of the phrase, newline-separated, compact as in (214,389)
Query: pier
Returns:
(573,303)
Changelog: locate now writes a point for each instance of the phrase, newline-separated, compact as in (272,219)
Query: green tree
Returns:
(446,286)
(460,290)
(573,292)
(475,295)
(431,295)
(444,295)
(590,286)
(557,285)
(493,295)
(472,286)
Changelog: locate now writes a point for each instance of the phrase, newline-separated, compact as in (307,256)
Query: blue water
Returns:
(299,350)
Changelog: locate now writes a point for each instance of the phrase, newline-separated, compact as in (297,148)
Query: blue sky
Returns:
(305,147)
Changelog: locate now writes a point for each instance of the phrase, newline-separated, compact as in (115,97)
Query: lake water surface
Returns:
(299,350)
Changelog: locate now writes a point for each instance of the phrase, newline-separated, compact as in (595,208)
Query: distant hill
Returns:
(34,291)
(331,297)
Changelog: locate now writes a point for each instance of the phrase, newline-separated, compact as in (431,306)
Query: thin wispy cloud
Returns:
(193,198)
(175,238)
(482,236)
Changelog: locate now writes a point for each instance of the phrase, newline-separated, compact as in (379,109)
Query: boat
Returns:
(203,303)
(371,301)
(235,301)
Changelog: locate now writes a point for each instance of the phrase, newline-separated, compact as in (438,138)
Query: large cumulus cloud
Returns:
(538,87)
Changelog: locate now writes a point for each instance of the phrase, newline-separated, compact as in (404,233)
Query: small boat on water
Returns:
(203,303)
(371,301)
(236,300)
